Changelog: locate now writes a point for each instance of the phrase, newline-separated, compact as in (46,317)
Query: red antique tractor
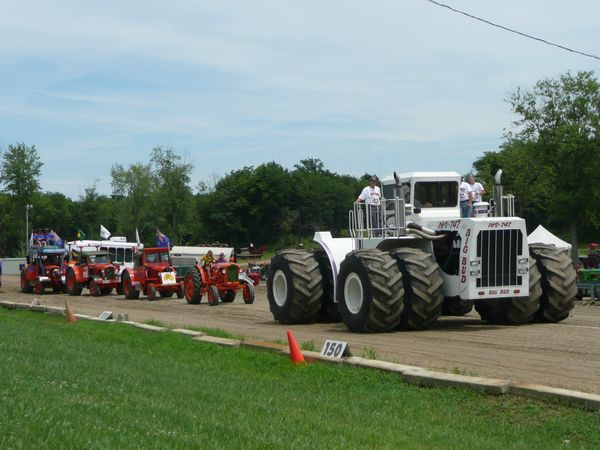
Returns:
(217,281)
(592,261)
(44,269)
(95,270)
(152,272)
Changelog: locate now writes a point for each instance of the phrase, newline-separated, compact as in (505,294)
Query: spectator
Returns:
(466,198)
(477,189)
(221,258)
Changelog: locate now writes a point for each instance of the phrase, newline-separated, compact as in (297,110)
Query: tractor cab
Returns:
(427,195)
(156,258)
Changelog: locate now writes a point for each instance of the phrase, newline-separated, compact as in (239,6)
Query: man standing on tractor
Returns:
(371,197)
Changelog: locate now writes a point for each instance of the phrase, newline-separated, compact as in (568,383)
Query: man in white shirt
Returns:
(371,196)
(477,189)
(465,194)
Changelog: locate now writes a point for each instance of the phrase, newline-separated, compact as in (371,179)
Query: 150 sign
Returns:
(334,349)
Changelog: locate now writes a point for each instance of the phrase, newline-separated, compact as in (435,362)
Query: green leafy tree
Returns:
(20,170)
(132,192)
(174,194)
(555,149)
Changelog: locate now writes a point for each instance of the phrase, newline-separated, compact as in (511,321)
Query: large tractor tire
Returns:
(514,310)
(212,295)
(151,291)
(294,287)
(329,310)
(129,289)
(559,282)
(25,284)
(73,288)
(39,288)
(455,306)
(248,293)
(422,280)
(370,291)
(192,286)
(95,290)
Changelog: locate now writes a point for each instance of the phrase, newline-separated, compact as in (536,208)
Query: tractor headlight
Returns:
(523,270)
(523,261)
(475,263)
(475,272)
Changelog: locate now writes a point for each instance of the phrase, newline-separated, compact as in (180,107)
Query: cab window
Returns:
(436,194)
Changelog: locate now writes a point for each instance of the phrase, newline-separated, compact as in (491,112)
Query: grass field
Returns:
(108,385)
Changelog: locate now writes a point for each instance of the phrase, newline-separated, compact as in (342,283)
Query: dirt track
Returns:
(564,355)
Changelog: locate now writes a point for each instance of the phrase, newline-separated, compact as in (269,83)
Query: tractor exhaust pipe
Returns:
(424,232)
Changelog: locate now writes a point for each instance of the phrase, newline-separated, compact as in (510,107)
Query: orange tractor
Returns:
(152,272)
(217,281)
(95,270)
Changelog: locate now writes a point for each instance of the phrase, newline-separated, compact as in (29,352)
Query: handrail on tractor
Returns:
(376,221)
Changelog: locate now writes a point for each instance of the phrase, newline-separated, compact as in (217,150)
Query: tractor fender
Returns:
(203,273)
(336,250)
(77,272)
(132,276)
(245,278)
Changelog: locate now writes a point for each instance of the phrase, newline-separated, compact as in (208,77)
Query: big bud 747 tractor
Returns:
(413,258)
(152,272)
(95,270)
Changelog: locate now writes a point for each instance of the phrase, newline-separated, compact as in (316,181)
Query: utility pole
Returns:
(27,208)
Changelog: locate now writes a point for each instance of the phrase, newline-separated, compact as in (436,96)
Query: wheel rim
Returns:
(211,296)
(246,292)
(70,281)
(280,288)
(353,293)
(23,281)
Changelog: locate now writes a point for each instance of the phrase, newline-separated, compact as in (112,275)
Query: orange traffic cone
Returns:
(295,353)
(70,316)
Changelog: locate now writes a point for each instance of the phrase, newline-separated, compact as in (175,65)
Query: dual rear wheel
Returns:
(377,291)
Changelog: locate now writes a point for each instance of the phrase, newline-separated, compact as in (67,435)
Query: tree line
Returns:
(265,205)
(550,158)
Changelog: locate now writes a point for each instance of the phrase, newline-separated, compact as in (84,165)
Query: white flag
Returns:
(137,237)
(104,233)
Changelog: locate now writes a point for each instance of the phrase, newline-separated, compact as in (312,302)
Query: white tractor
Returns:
(413,258)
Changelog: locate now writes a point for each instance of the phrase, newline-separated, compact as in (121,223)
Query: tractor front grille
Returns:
(499,251)
(232,273)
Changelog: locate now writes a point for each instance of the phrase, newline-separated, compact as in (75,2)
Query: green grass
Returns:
(156,323)
(369,353)
(216,332)
(309,346)
(108,385)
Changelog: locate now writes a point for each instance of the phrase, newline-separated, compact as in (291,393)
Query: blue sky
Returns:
(364,86)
